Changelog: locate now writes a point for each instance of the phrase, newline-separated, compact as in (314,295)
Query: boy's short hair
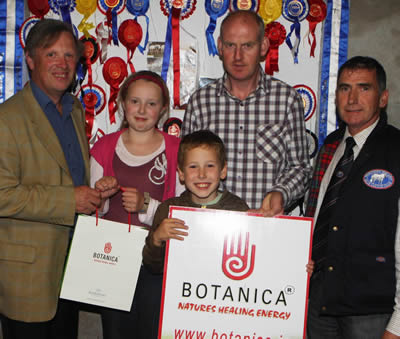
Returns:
(202,138)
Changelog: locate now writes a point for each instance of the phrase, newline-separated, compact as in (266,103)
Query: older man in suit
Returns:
(43,185)
(354,201)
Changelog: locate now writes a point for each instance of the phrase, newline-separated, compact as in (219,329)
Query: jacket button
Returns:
(323,308)
(330,268)
(335,228)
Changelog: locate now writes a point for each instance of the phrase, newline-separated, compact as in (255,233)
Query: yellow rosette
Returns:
(270,10)
(86,8)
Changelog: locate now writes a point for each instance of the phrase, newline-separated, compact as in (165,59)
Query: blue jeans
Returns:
(369,326)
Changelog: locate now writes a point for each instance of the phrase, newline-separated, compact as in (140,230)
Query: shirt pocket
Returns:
(270,146)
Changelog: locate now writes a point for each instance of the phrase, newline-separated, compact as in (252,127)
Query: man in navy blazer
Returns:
(353,287)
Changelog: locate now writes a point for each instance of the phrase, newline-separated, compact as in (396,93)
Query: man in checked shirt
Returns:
(259,118)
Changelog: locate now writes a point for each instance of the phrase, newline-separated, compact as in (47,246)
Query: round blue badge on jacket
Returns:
(379,179)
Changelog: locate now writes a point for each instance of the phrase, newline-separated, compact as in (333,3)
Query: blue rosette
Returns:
(94,95)
(26,27)
(139,8)
(63,8)
(215,9)
(294,11)
(309,100)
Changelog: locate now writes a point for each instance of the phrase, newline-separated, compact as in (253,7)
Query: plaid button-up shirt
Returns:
(264,136)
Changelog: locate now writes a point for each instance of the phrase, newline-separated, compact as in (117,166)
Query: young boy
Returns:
(201,166)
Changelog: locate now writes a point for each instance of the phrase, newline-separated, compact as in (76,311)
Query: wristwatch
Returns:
(145,203)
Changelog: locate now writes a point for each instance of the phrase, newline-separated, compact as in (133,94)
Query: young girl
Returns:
(135,169)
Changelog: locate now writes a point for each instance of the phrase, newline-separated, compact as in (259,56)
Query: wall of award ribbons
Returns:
(177,39)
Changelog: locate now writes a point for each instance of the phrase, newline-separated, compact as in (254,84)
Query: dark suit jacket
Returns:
(361,236)
(37,207)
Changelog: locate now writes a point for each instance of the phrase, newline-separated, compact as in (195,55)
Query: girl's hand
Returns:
(170,229)
(107,186)
(132,199)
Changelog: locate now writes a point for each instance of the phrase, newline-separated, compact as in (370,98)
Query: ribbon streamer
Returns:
(215,9)
(130,34)
(63,8)
(294,11)
(111,8)
(276,34)
(92,98)
(316,15)
(178,10)
(103,33)
(139,8)
(86,8)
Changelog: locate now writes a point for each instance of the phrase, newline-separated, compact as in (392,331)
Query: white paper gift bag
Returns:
(103,263)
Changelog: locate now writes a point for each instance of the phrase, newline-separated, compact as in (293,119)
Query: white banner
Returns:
(103,263)
(236,276)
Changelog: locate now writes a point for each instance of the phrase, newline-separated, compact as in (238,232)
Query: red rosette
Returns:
(316,14)
(114,72)
(39,7)
(90,54)
(130,34)
(91,49)
(276,34)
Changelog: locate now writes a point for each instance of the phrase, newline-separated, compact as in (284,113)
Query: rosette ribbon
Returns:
(130,34)
(215,9)
(316,15)
(139,8)
(26,27)
(111,8)
(39,8)
(270,10)
(103,34)
(86,8)
(63,8)
(90,55)
(179,9)
(294,11)
(247,5)
(114,72)
(93,100)
(276,34)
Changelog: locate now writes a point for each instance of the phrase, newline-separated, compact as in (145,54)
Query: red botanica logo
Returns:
(237,262)
(107,247)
